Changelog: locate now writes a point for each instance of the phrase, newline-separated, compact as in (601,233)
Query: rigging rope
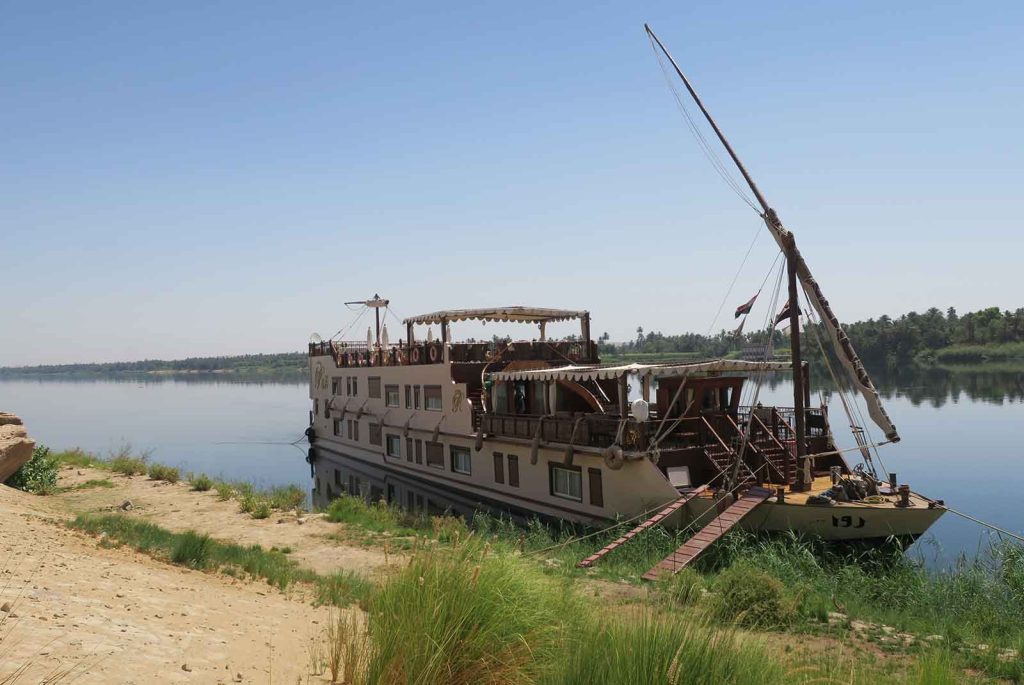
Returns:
(757,234)
(705,147)
(346,329)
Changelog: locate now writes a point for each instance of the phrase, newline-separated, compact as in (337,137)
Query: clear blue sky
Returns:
(188,178)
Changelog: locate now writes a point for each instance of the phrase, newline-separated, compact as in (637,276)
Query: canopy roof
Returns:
(516,314)
(583,373)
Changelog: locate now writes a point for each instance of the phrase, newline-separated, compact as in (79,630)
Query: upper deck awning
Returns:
(584,373)
(514,314)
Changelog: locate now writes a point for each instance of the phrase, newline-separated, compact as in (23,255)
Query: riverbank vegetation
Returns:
(286,366)
(490,601)
(934,337)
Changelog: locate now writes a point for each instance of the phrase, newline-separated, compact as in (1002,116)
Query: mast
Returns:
(799,270)
(798,377)
(376,303)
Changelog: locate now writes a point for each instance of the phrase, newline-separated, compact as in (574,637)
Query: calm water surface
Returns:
(961,434)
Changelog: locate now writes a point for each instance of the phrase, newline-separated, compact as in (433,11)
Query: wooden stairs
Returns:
(654,520)
(714,529)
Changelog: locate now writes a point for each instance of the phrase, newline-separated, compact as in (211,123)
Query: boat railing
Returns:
(356,354)
(593,430)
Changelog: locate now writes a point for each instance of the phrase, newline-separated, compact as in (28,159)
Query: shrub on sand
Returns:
(165,473)
(200,483)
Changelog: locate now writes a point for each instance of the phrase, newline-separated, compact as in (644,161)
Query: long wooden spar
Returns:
(786,241)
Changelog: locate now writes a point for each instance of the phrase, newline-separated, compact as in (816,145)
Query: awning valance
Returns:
(584,373)
(514,314)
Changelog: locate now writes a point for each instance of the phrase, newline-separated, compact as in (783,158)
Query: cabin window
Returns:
(409,504)
(513,470)
(419,451)
(348,385)
(316,407)
(352,490)
(499,467)
(710,402)
(500,401)
(348,429)
(391,395)
(461,461)
(435,455)
(335,382)
(416,397)
(596,487)
(394,446)
(567,482)
(355,385)
(327,410)
(432,397)
(375,434)
(408,397)
(373,387)
(725,398)
(538,397)
(337,427)
(391,493)
(337,477)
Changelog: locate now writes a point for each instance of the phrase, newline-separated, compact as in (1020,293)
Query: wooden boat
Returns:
(539,427)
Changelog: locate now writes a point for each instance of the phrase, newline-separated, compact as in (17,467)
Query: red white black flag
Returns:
(745,308)
(784,314)
(739,329)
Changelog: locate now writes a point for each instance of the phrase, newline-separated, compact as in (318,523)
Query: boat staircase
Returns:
(728,516)
(771,459)
(652,521)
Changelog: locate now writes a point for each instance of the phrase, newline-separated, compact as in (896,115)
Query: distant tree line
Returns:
(255,364)
(934,336)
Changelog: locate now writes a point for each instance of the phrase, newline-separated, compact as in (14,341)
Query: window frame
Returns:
(460,450)
(396,454)
(595,485)
(373,387)
(576,471)
(438,449)
(376,434)
(388,389)
(439,397)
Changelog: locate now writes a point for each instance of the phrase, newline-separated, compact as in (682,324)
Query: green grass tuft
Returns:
(200,483)
(165,473)
(191,549)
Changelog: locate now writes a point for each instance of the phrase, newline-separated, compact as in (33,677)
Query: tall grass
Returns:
(657,649)
(466,616)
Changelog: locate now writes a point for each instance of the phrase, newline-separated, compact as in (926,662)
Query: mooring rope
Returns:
(1003,531)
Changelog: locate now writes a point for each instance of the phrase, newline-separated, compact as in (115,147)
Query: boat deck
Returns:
(822,483)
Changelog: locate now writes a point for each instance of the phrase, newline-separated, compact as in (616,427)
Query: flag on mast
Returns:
(745,308)
(739,329)
(784,314)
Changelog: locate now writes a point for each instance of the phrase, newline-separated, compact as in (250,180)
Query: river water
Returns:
(961,434)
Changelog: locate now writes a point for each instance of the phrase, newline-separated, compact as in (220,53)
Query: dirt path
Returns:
(122,617)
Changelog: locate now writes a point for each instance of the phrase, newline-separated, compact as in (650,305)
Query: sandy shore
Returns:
(118,616)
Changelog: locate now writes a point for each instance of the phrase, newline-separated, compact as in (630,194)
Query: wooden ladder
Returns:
(654,520)
(714,529)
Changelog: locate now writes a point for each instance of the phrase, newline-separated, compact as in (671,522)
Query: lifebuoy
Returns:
(415,355)
(434,353)
(352,359)
(375,358)
(575,352)
(613,458)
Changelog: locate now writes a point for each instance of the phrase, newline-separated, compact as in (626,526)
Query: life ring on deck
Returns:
(352,359)
(375,358)
(415,355)
(434,353)
(575,352)
(613,458)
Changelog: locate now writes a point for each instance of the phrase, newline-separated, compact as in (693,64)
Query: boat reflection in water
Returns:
(336,474)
